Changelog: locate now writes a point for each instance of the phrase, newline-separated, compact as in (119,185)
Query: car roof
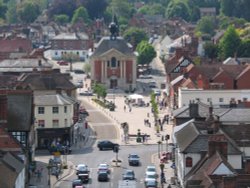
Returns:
(151,166)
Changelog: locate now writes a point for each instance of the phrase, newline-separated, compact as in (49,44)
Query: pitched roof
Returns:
(236,115)
(47,81)
(7,142)
(53,99)
(106,44)
(15,45)
(214,165)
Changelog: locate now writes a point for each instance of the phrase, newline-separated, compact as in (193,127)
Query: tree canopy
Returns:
(146,53)
(178,9)
(229,44)
(80,14)
(134,35)
(28,11)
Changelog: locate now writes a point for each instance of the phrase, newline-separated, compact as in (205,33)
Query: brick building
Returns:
(113,63)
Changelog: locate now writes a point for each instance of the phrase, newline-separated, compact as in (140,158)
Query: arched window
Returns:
(113,62)
(189,162)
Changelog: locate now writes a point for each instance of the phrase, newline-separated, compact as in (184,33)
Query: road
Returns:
(90,155)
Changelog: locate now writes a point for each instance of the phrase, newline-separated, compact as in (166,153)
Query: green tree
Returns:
(80,14)
(28,11)
(155,110)
(135,35)
(206,25)
(96,8)
(227,7)
(87,68)
(3,10)
(211,50)
(229,43)
(100,91)
(178,9)
(244,48)
(146,53)
(11,14)
(61,19)
(152,9)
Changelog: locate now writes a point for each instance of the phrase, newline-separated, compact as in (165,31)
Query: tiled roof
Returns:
(71,36)
(107,44)
(15,45)
(7,142)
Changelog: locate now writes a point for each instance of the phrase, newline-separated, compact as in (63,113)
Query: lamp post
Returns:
(159,148)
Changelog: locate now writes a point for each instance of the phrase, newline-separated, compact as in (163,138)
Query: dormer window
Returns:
(189,162)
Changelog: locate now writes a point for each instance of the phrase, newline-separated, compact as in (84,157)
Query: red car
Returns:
(62,63)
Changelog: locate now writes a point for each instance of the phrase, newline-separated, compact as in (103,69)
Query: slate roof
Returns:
(203,111)
(106,44)
(13,161)
(193,138)
(236,115)
(23,65)
(47,81)
(240,133)
(53,99)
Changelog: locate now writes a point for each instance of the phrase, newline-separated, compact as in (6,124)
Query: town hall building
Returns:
(113,62)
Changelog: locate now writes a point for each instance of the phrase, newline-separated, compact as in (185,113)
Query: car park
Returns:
(76,182)
(133,160)
(103,167)
(102,175)
(106,144)
(128,175)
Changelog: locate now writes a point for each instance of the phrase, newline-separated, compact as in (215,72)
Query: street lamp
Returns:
(159,148)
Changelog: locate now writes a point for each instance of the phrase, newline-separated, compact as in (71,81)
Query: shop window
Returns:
(40,110)
(41,123)
(55,110)
(189,162)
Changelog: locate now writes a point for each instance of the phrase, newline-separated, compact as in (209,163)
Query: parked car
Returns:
(102,175)
(103,167)
(79,85)
(78,71)
(128,175)
(62,63)
(83,111)
(133,160)
(106,144)
(76,182)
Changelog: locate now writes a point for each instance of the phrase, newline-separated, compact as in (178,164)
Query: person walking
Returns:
(124,108)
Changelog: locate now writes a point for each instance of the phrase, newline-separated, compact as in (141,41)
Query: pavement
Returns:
(135,119)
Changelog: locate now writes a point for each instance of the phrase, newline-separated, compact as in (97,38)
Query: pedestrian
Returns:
(167,118)
(124,108)
(143,138)
(161,127)
(130,108)
(149,124)
(148,114)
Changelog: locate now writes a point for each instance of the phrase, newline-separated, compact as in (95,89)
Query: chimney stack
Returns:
(193,109)
(217,143)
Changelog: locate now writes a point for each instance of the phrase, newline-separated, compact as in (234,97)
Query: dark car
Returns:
(76,182)
(106,144)
(103,175)
(133,160)
(128,175)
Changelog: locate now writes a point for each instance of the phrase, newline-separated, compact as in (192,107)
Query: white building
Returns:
(217,97)
(53,118)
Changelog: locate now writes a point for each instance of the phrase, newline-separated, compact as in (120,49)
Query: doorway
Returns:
(113,83)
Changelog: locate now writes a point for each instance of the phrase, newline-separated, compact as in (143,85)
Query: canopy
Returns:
(135,96)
